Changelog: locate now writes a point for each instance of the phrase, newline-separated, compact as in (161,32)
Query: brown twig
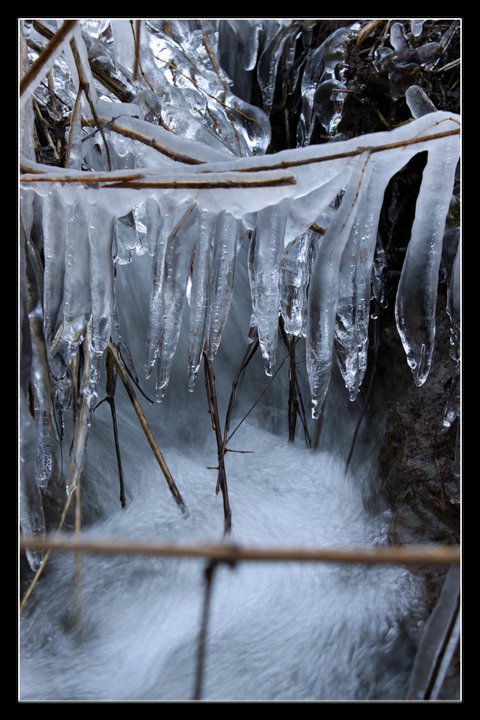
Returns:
(215,418)
(367,30)
(208,185)
(40,570)
(110,399)
(376,555)
(137,34)
(258,398)
(86,178)
(124,183)
(249,353)
(285,164)
(146,429)
(209,574)
(292,385)
(37,67)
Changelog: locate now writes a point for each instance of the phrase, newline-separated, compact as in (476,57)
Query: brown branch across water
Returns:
(376,555)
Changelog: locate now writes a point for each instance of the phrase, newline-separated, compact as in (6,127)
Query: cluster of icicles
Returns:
(309,260)
(310,216)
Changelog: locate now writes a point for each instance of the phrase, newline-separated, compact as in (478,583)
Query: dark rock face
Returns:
(419,462)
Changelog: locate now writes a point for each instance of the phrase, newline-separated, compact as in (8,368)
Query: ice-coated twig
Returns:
(32,77)
(85,87)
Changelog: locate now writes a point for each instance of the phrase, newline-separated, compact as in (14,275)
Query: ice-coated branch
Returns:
(34,74)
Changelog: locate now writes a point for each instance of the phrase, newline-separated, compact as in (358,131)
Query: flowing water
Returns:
(277,631)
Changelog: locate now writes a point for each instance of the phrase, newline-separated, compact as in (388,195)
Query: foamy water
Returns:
(277,631)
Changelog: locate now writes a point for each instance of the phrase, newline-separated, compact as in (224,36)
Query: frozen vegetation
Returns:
(168,235)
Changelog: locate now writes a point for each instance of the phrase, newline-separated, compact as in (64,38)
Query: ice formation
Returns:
(186,197)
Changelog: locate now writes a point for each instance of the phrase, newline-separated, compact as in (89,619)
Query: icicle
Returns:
(353,311)
(264,269)
(200,295)
(295,276)
(323,291)
(378,275)
(453,310)
(166,224)
(100,235)
(76,299)
(247,37)
(54,227)
(40,379)
(125,234)
(32,520)
(311,76)
(178,258)
(397,37)
(322,78)
(418,102)
(416,27)
(417,290)
(226,245)
(88,399)
(269,61)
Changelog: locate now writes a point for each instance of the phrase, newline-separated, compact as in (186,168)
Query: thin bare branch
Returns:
(285,164)
(209,575)
(376,555)
(215,418)
(40,570)
(136,64)
(258,398)
(146,429)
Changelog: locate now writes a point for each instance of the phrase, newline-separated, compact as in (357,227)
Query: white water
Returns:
(277,631)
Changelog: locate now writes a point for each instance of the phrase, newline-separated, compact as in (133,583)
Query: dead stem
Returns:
(37,67)
(40,570)
(110,399)
(202,185)
(249,353)
(284,164)
(146,429)
(209,575)
(137,34)
(259,397)
(295,400)
(435,554)
(215,418)
(123,183)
